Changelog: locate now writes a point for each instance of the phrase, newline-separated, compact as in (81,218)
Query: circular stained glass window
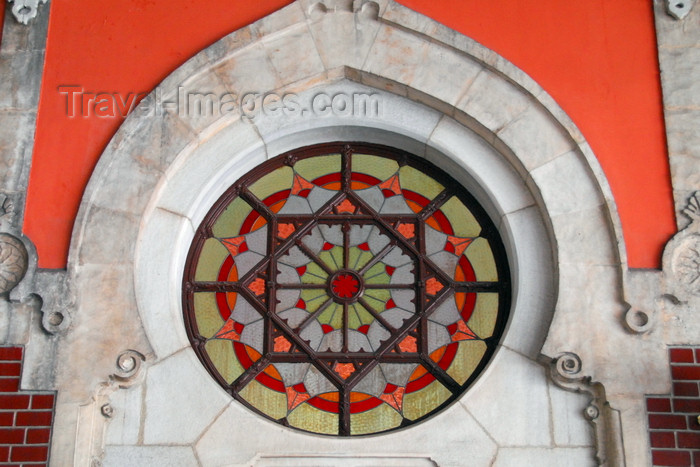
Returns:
(346,289)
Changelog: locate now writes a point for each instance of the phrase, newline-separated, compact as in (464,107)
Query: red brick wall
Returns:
(674,432)
(25,417)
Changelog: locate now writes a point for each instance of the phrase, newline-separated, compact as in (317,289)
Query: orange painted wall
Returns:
(596,58)
(2,19)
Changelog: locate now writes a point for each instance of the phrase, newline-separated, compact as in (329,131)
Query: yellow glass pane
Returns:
(221,353)
(358,258)
(211,257)
(463,221)
(480,256)
(315,167)
(419,403)
(269,402)
(273,182)
(377,274)
(379,167)
(377,298)
(380,418)
(363,315)
(415,180)
(314,274)
(332,258)
(313,298)
(309,418)
(230,221)
(333,316)
(207,314)
(469,354)
(483,319)
(354,321)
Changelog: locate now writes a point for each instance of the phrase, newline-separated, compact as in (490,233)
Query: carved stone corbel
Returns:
(679,9)
(565,371)
(25,10)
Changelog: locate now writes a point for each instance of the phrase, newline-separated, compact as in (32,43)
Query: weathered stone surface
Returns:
(290,67)
(517,392)
(490,171)
(124,426)
(678,65)
(533,271)
(563,187)
(105,322)
(156,456)
(493,101)
(179,389)
(234,439)
(249,72)
(557,457)
(105,223)
(342,39)
(20,84)
(16,144)
(569,426)
(155,287)
(551,140)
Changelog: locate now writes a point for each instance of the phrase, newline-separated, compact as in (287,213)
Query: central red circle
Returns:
(345,285)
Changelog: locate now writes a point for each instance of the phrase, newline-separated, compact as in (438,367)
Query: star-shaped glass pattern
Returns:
(346,289)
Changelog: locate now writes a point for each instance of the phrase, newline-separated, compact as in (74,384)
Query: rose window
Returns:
(346,289)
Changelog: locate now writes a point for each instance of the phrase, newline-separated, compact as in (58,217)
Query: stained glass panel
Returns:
(346,289)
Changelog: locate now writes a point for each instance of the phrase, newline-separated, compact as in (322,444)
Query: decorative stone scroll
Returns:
(565,371)
(25,10)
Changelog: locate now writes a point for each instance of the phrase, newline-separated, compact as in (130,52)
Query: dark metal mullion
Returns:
(390,286)
(344,412)
(210,286)
(423,326)
(381,254)
(434,205)
(441,375)
(332,375)
(301,286)
(257,205)
(314,315)
(313,257)
(270,286)
(484,286)
(363,358)
(346,169)
(376,315)
(346,312)
(248,375)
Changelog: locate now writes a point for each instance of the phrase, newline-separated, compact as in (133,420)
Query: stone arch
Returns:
(443,97)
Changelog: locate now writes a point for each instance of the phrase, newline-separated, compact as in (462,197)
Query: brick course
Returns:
(25,417)
(674,432)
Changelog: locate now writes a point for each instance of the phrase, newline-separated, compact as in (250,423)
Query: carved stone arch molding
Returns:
(438,95)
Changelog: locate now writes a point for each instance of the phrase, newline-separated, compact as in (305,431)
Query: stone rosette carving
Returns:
(566,372)
(13,263)
(679,9)
(25,10)
(681,260)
